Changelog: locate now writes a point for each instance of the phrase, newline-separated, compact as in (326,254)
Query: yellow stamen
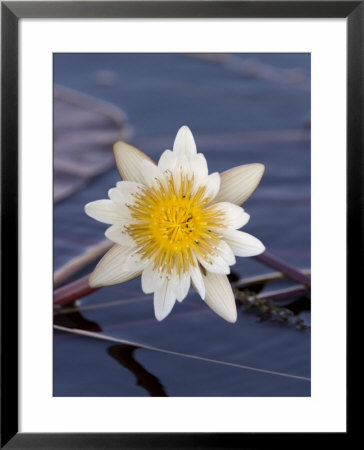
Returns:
(173,223)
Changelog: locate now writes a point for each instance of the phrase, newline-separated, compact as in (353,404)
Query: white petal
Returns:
(197,280)
(238,183)
(167,161)
(150,172)
(124,192)
(220,297)
(182,286)
(113,268)
(115,195)
(184,144)
(152,280)
(214,264)
(242,244)
(117,234)
(225,251)
(128,161)
(136,262)
(183,165)
(212,183)
(182,168)
(198,166)
(164,300)
(104,211)
(177,179)
(234,216)
(127,190)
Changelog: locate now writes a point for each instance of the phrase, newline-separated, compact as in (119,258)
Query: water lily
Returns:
(173,224)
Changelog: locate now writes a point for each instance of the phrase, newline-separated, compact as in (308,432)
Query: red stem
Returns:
(69,293)
(287,270)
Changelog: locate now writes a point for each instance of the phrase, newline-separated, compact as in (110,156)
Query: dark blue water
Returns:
(237,117)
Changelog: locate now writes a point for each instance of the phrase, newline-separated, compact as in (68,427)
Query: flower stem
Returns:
(69,293)
(80,261)
(272,276)
(283,294)
(289,271)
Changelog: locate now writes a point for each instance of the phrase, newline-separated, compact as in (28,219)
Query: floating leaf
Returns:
(84,132)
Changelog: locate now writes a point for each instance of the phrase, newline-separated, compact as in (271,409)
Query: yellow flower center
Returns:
(172,224)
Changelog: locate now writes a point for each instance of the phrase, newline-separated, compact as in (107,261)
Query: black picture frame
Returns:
(11,13)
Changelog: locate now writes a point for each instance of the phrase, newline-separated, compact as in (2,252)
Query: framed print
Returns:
(175,176)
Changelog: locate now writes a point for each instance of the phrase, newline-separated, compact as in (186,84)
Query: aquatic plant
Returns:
(173,224)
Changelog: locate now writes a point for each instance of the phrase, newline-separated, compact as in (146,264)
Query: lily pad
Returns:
(85,130)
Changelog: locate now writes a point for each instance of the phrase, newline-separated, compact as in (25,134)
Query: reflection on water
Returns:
(74,319)
(124,354)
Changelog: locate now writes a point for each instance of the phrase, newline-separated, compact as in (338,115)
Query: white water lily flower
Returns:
(173,224)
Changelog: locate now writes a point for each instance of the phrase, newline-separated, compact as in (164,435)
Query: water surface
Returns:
(237,117)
